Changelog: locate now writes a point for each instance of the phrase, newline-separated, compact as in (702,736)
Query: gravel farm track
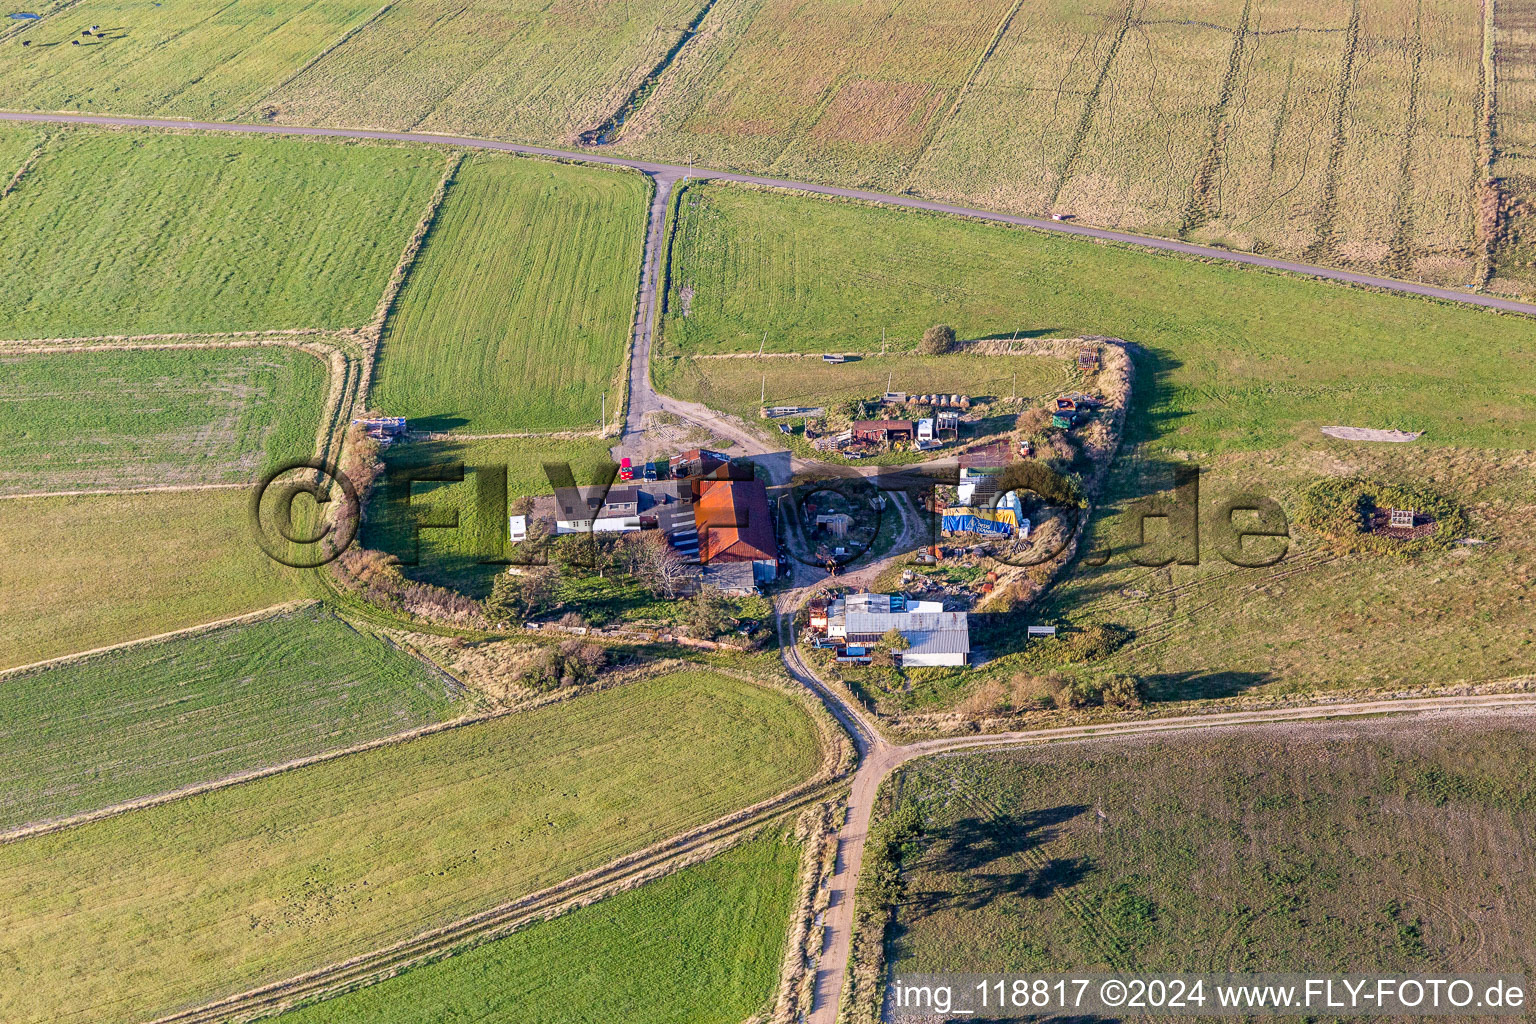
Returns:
(877,757)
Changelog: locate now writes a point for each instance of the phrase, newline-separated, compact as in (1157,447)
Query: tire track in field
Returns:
(1202,205)
(961,95)
(1322,244)
(1402,214)
(1091,106)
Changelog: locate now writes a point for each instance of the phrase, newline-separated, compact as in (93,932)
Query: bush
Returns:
(1093,643)
(1121,691)
(937,340)
(1342,508)
(571,663)
(1034,422)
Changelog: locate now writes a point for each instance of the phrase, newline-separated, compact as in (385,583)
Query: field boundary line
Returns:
(43,828)
(1488,193)
(205,340)
(1116,236)
(1322,243)
(105,491)
(1090,107)
(373,332)
(185,631)
(1402,211)
(26,165)
(254,107)
(963,92)
(1198,209)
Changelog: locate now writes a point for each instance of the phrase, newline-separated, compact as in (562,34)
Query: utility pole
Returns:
(889,374)
(762,343)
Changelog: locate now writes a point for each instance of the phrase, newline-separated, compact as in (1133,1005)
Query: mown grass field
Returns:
(150,233)
(736,385)
(133,916)
(516,314)
(1315,847)
(84,572)
(702,946)
(157,418)
(196,59)
(1235,359)
(457,557)
(151,718)
(513,69)
(17,141)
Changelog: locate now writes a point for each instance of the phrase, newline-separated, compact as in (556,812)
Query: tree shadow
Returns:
(1199,685)
(981,853)
(436,424)
(1036,332)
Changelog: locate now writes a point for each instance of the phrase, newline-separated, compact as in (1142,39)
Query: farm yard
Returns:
(513,69)
(516,314)
(155,717)
(192,58)
(156,418)
(196,233)
(89,571)
(1233,359)
(1265,849)
(702,945)
(266,879)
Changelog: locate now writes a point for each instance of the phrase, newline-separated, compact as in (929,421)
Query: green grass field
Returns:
(699,947)
(149,233)
(516,314)
(1315,847)
(1236,359)
(17,141)
(155,717)
(518,69)
(133,916)
(198,59)
(85,572)
(453,557)
(169,417)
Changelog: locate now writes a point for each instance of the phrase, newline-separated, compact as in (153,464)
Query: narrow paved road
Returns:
(675,171)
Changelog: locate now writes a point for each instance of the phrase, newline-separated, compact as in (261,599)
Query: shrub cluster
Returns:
(377,578)
(1342,509)
(569,664)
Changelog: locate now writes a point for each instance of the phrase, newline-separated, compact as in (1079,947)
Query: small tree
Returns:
(895,640)
(708,614)
(520,595)
(937,340)
(658,565)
